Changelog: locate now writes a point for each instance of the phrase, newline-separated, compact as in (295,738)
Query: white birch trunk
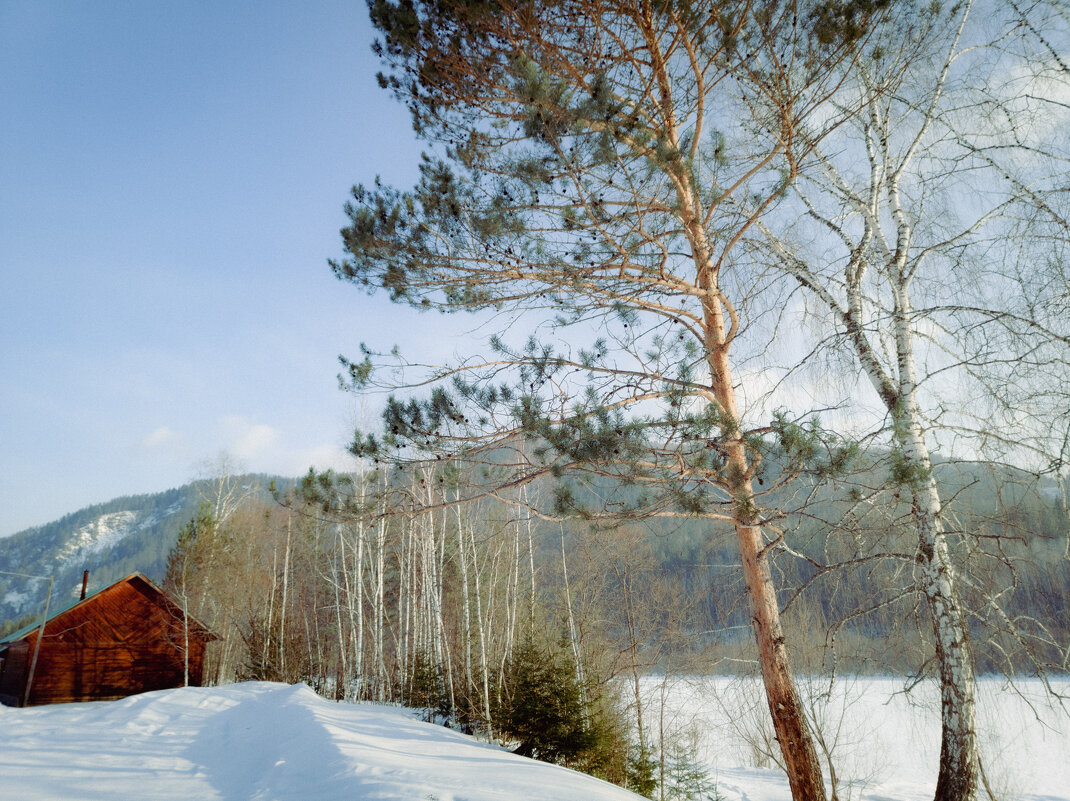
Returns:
(282,610)
(514,590)
(358,602)
(336,584)
(266,648)
(573,637)
(484,671)
(380,611)
(466,603)
(957,779)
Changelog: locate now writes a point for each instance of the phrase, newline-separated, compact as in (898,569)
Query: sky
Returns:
(172,177)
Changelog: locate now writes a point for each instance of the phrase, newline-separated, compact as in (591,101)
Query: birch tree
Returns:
(588,178)
(929,233)
(187,563)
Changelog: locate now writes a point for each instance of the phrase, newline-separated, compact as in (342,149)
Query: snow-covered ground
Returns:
(884,742)
(273,742)
(268,742)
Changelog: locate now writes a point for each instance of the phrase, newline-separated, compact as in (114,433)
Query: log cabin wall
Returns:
(126,639)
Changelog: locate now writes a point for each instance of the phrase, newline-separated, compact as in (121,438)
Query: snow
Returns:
(107,531)
(15,598)
(152,519)
(263,741)
(885,742)
(96,537)
(272,742)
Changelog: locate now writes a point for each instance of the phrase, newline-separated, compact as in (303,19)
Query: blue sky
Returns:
(172,178)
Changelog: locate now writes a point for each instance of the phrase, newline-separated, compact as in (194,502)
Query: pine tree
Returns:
(542,705)
(590,172)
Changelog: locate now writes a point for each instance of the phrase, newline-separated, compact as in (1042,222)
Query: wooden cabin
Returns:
(128,638)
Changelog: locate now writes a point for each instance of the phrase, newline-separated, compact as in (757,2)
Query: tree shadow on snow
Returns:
(271,745)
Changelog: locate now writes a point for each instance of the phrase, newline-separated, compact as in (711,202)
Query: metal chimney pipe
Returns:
(85,583)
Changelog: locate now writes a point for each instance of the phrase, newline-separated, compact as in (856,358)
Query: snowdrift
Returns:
(273,742)
(262,741)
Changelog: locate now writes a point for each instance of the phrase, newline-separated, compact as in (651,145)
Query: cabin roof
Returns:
(27,630)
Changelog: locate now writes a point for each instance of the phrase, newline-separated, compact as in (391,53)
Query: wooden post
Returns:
(37,645)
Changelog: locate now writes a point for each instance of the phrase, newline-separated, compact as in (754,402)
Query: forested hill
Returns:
(110,540)
(685,568)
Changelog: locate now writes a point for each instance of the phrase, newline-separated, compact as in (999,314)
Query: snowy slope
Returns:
(272,742)
(106,543)
(106,532)
(262,741)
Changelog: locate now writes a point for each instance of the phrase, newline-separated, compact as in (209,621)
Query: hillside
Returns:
(110,540)
(687,566)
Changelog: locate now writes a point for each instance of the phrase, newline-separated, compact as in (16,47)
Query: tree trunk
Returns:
(573,638)
(958,774)
(282,609)
(358,657)
(380,607)
(466,610)
(633,654)
(481,623)
(185,642)
(789,719)
(336,584)
(957,778)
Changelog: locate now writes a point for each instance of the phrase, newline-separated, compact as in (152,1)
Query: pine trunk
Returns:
(789,719)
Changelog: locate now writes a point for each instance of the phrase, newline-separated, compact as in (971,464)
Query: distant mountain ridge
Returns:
(110,540)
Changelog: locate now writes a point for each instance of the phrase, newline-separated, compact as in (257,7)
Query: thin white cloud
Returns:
(159,438)
(248,440)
